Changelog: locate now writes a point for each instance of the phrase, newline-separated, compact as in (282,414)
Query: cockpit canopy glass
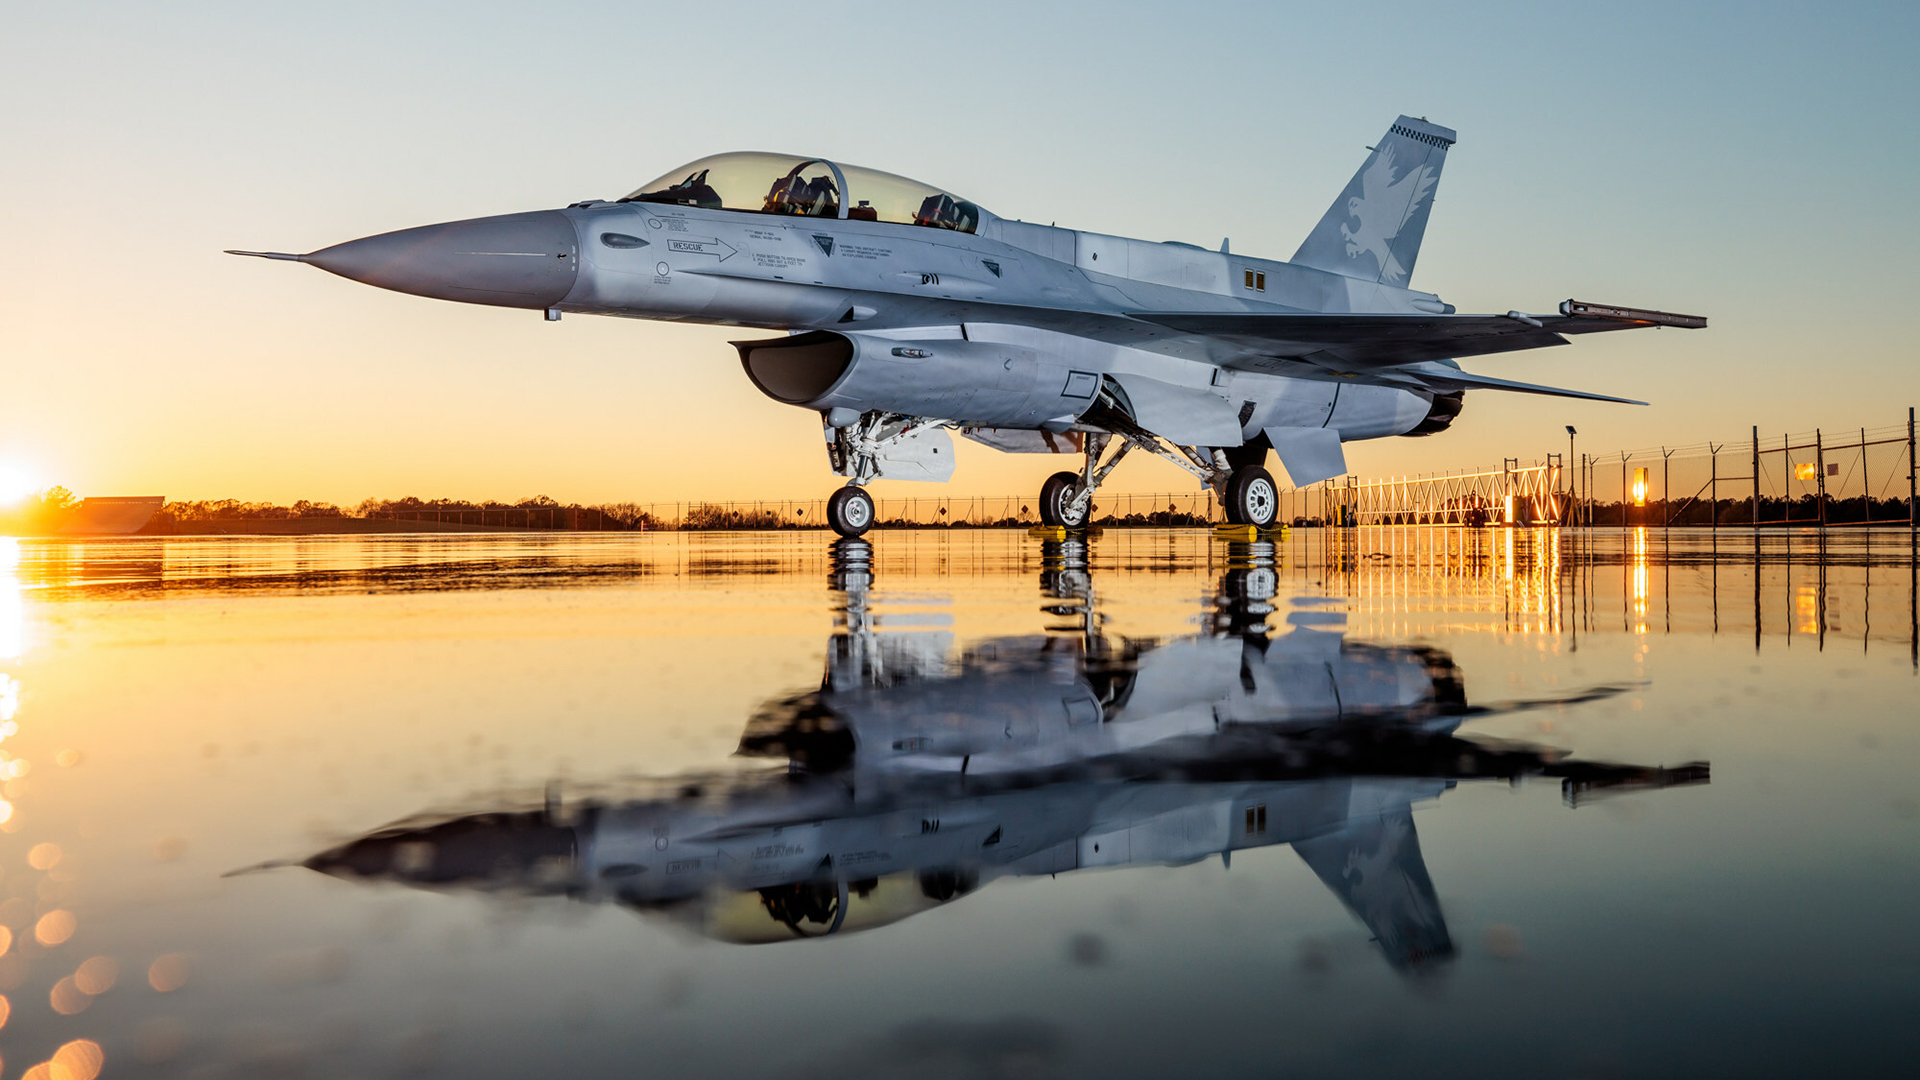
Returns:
(877,196)
(762,183)
(808,187)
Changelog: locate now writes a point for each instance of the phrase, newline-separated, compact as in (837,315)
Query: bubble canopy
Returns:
(808,187)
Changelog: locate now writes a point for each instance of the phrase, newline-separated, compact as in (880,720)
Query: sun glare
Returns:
(16,483)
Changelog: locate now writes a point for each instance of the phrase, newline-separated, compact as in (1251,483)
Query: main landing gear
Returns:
(1251,497)
(1066,499)
(1246,491)
(858,444)
(1058,504)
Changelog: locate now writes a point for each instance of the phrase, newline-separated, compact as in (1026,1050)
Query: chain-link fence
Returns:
(1852,476)
(1819,477)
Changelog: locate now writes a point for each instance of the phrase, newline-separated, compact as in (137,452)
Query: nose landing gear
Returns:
(850,511)
(867,446)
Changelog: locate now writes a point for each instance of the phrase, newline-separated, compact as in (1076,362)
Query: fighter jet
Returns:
(913,777)
(912,313)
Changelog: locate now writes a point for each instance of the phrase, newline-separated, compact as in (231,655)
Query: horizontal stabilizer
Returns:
(1445,378)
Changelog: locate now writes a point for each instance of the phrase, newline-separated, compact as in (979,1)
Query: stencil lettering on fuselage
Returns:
(701,245)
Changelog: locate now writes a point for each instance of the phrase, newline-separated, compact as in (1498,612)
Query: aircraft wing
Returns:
(1352,343)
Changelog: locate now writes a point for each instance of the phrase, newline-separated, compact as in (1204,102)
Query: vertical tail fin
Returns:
(1375,867)
(1373,230)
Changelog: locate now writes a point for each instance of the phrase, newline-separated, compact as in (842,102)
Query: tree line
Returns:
(39,513)
(408,508)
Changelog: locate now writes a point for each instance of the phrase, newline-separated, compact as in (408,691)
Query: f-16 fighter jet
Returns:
(912,313)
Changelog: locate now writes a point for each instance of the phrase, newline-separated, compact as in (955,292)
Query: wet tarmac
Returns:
(1435,802)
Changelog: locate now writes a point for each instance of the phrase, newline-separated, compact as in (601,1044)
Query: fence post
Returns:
(1623,489)
(1713,485)
(1666,484)
(1756,476)
(1586,492)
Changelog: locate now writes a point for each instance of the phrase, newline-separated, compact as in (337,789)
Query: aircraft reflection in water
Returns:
(912,778)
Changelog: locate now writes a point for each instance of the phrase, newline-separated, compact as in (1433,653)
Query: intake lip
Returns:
(514,260)
(800,369)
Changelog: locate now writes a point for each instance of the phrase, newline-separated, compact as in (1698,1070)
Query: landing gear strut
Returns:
(858,446)
(1066,499)
(1246,491)
(850,511)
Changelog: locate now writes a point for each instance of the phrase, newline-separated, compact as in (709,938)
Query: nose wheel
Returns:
(1252,498)
(850,511)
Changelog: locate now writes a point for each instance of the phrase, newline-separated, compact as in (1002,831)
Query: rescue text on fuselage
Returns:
(913,313)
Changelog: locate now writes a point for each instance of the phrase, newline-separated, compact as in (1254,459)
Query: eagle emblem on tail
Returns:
(1382,207)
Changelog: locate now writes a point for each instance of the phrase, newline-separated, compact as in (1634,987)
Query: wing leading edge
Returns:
(1406,350)
(1359,342)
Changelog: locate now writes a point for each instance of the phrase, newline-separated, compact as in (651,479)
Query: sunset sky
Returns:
(1751,162)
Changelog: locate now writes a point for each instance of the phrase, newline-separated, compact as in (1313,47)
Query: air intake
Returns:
(798,369)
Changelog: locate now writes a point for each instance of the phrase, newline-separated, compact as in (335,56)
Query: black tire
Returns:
(850,512)
(1252,497)
(1056,495)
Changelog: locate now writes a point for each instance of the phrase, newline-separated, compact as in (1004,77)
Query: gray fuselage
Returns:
(1058,296)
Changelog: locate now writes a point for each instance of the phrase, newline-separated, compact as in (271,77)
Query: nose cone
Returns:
(502,850)
(515,260)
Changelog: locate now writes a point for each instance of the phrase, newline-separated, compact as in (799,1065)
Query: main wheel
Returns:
(1056,501)
(1252,497)
(850,511)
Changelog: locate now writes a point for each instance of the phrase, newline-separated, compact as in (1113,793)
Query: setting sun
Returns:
(16,483)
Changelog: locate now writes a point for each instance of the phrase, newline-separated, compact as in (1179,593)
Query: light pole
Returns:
(1572,491)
